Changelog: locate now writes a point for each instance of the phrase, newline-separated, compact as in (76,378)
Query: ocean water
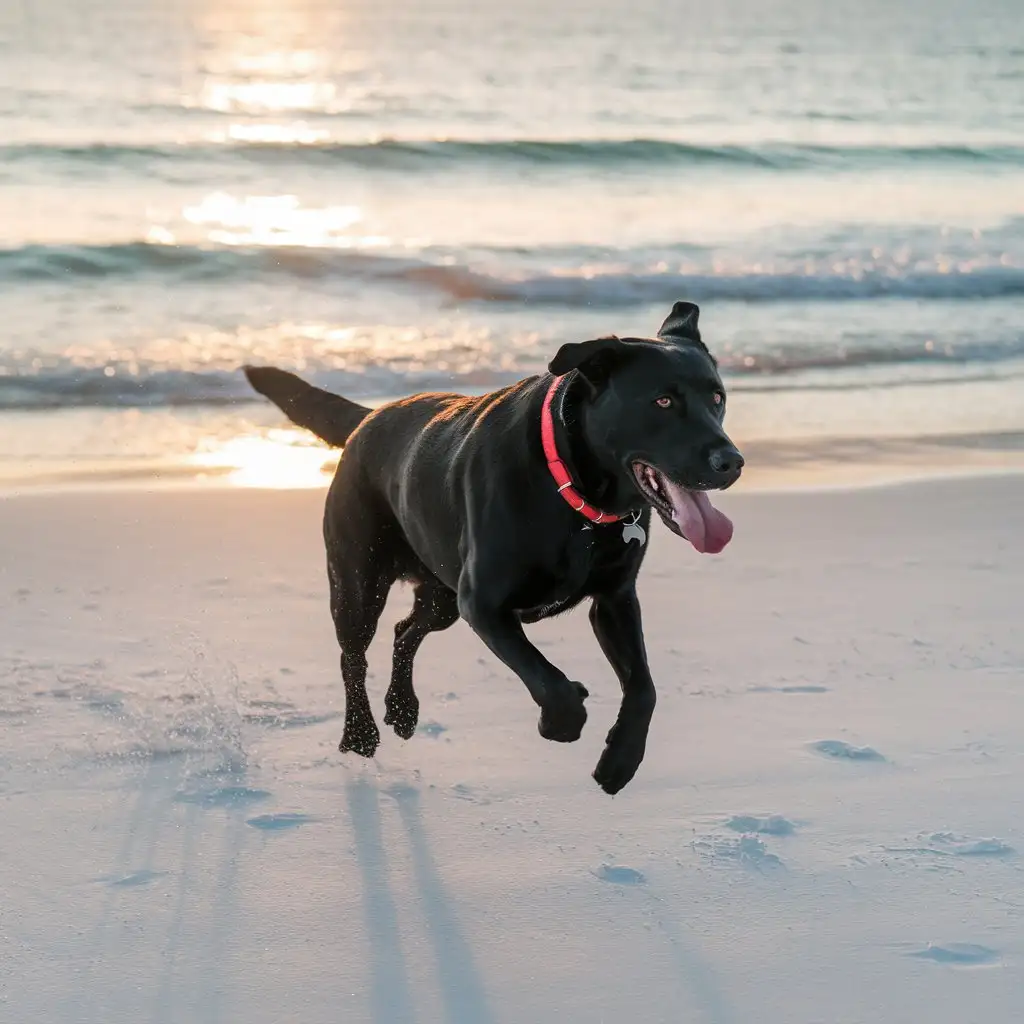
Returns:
(404,194)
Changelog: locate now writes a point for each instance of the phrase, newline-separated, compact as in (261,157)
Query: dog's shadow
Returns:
(392,999)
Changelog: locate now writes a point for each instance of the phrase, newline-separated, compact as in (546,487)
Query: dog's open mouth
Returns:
(685,512)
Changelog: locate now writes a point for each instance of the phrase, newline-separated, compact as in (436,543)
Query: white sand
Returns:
(169,696)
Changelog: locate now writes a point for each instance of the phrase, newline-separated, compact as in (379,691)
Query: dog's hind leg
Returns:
(359,590)
(435,607)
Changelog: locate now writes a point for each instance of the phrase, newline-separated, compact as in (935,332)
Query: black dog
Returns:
(480,503)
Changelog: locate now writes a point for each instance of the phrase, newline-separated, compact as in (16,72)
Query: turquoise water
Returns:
(402,194)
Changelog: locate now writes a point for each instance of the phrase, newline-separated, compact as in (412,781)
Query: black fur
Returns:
(453,494)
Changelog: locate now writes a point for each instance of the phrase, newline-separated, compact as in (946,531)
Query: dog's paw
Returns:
(563,717)
(402,715)
(362,741)
(563,727)
(618,764)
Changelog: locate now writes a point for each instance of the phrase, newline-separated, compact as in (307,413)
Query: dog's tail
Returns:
(331,417)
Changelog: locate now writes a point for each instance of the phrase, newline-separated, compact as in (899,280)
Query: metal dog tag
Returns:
(634,531)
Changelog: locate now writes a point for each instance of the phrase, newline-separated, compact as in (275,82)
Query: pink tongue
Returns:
(707,529)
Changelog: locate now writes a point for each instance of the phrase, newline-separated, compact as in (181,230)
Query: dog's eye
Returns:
(664,402)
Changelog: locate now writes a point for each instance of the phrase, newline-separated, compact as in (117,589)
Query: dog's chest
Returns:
(592,559)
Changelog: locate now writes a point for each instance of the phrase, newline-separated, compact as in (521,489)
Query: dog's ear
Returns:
(682,323)
(594,359)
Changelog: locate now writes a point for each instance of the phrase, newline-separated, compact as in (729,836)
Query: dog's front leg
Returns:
(616,621)
(562,713)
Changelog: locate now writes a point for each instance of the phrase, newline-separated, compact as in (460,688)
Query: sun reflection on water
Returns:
(278,68)
(277,459)
(271,220)
(266,97)
(268,57)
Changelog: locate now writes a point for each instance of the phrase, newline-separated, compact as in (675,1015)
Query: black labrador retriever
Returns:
(515,506)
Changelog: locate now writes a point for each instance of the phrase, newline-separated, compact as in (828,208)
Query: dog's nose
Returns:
(726,462)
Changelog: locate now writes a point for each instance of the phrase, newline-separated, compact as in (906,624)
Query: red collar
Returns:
(557,466)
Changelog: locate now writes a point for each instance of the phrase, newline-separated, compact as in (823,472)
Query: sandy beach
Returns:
(826,828)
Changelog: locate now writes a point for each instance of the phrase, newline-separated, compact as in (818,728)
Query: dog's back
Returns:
(401,442)
(409,459)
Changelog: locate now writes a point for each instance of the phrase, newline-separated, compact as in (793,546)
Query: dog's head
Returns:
(654,416)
